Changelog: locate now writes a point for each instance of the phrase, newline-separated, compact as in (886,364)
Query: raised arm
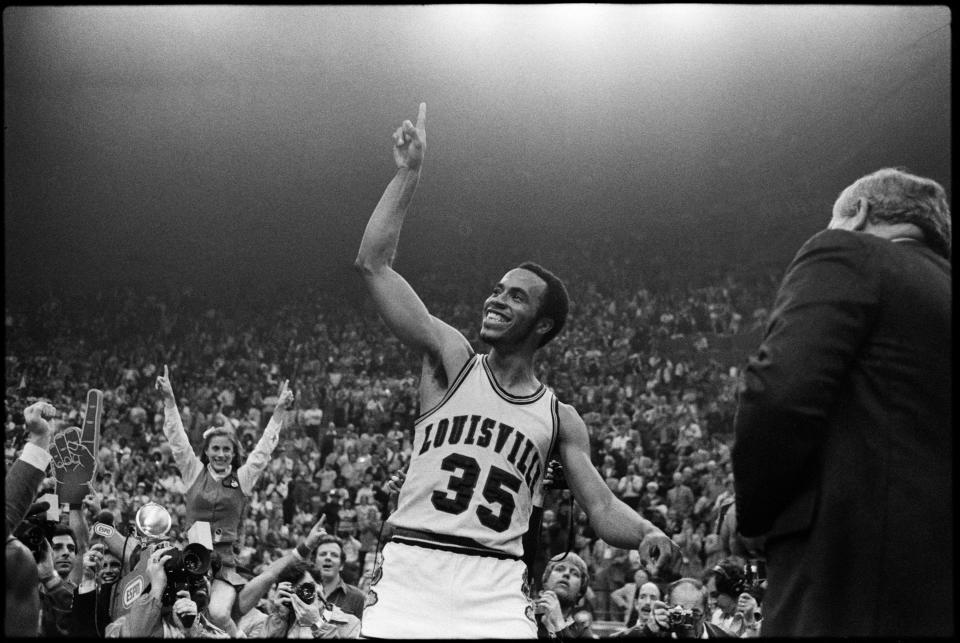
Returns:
(259,458)
(187,461)
(259,585)
(396,301)
(613,520)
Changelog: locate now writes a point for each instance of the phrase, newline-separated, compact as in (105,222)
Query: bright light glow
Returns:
(571,18)
(685,17)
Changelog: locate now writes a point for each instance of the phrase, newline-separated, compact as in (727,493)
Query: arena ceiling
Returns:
(165,143)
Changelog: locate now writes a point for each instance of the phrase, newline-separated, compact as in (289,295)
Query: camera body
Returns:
(679,618)
(187,569)
(33,531)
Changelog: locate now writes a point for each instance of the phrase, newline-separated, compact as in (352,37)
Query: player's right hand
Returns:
(410,141)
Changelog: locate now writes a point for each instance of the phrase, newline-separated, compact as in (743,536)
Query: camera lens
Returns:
(306,592)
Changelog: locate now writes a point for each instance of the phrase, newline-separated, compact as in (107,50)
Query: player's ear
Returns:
(543,326)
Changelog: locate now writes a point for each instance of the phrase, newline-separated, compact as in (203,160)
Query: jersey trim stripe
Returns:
(456,544)
(457,381)
(555,414)
(503,393)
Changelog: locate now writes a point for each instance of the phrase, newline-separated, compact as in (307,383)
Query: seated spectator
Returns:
(647,595)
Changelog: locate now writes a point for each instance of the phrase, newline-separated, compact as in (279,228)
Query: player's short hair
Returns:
(555,303)
(895,195)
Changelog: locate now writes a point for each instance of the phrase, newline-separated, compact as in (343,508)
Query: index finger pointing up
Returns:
(422,116)
(166,372)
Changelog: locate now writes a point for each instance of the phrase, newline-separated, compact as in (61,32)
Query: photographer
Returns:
(252,620)
(300,612)
(182,615)
(684,615)
(22,612)
(724,583)
(565,581)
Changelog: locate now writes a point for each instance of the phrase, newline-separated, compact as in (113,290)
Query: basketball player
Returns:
(453,566)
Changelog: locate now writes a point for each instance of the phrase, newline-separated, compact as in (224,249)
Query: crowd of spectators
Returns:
(637,361)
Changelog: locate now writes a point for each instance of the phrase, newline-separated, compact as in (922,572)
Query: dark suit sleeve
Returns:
(21,488)
(822,314)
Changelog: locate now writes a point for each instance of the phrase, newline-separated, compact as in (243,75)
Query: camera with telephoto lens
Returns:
(33,531)
(187,569)
(306,592)
(679,619)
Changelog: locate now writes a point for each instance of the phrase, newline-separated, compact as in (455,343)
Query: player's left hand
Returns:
(669,556)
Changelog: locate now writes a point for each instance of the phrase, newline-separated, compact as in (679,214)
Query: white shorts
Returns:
(433,593)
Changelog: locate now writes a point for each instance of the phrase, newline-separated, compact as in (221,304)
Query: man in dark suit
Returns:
(843,435)
(25,475)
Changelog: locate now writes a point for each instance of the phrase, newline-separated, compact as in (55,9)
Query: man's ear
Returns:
(860,218)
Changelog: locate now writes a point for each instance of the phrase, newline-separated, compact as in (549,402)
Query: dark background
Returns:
(247,145)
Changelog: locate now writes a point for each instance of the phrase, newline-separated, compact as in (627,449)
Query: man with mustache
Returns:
(647,595)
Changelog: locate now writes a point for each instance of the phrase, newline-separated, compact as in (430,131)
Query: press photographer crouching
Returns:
(300,612)
(179,593)
(684,615)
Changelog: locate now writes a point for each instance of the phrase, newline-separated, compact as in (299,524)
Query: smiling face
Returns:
(510,312)
(220,453)
(110,568)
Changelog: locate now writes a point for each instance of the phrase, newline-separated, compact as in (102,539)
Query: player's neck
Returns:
(513,370)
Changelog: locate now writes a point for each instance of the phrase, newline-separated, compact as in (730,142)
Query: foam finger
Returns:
(422,116)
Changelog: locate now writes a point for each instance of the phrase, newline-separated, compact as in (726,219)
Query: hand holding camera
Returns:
(185,609)
(547,604)
(155,571)
(659,620)
(748,607)
(306,607)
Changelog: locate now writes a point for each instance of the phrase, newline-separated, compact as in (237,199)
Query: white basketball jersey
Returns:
(478,462)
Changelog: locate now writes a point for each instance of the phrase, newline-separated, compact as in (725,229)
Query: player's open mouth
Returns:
(494,317)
